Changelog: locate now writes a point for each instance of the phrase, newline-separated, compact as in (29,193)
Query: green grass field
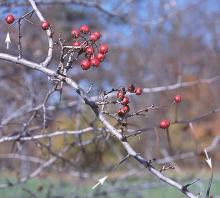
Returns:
(59,189)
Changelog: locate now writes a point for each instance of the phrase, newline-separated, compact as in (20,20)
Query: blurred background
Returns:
(153,43)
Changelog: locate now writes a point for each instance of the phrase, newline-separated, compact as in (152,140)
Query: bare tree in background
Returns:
(59,117)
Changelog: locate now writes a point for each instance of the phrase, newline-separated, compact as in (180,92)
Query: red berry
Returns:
(125,100)
(98,35)
(121,112)
(75,33)
(45,25)
(85,64)
(177,98)
(164,124)
(9,19)
(93,38)
(76,44)
(126,108)
(100,57)
(103,48)
(89,50)
(84,29)
(138,91)
(120,95)
(131,88)
(95,62)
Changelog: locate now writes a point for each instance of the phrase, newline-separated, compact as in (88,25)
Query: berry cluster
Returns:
(124,100)
(94,54)
(84,39)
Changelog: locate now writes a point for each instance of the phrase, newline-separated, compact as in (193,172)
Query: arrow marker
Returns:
(100,182)
(208,160)
(8,41)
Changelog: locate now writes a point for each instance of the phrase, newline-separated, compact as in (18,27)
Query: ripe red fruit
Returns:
(95,62)
(93,38)
(131,88)
(126,108)
(45,25)
(89,50)
(75,33)
(164,124)
(98,35)
(9,19)
(103,48)
(100,57)
(120,95)
(121,112)
(177,98)
(76,44)
(125,100)
(138,91)
(85,64)
(84,29)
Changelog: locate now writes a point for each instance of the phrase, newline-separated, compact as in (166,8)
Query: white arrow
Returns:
(208,160)
(100,182)
(8,41)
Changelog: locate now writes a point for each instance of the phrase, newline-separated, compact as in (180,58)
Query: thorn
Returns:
(209,187)
(185,187)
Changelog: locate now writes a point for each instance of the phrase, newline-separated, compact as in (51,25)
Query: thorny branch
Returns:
(87,100)
(107,130)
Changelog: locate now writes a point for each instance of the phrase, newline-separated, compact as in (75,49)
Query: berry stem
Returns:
(176,113)
(169,141)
